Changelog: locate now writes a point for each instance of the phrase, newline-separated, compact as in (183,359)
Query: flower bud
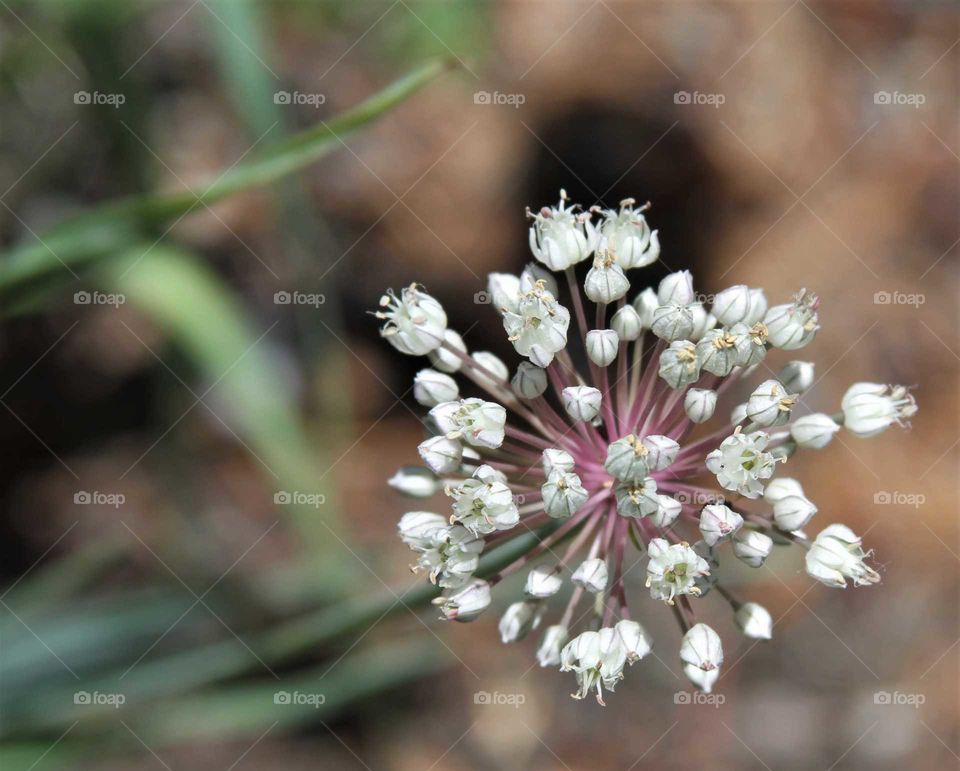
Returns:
(494,364)
(797,376)
(627,324)
(635,640)
(679,365)
(415,481)
(673,322)
(417,527)
(467,603)
(732,305)
(701,650)
(758,307)
(542,583)
(752,547)
(738,414)
(605,282)
(676,289)
(754,621)
(668,509)
(791,512)
(441,454)
(814,431)
(869,408)
(562,494)
(530,381)
(627,459)
(836,555)
(445,360)
(504,291)
(645,304)
(780,488)
(718,522)
(770,404)
(557,460)
(431,387)
(591,575)
(519,619)
(554,638)
(581,402)
(602,346)
(661,451)
(699,404)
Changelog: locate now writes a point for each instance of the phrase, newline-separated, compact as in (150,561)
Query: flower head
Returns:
(564,475)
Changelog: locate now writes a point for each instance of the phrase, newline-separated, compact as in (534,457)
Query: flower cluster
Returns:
(618,457)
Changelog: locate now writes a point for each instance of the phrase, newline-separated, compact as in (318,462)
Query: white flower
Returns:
(752,547)
(493,364)
(519,620)
(732,305)
(430,388)
(484,503)
(638,499)
(751,343)
(676,289)
(415,481)
(605,281)
(450,554)
(417,528)
(477,422)
(563,494)
(635,640)
(702,653)
(738,414)
(668,509)
(758,307)
(679,364)
(814,431)
(591,575)
(673,322)
(627,324)
(602,346)
(413,323)
(597,658)
(627,459)
(534,274)
(673,569)
(629,236)
(793,325)
(836,555)
(741,463)
(770,404)
(699,404)
(554,638)
(561,236)
(530,381)
(870,408)
(780,488)
(542,583)
(446,360)
(703,322)
(467,603)
(791,512)
(557,460)
(718,522)
(797,376)
(441,454)
(504,291)
(717,352)
(581,402)
(661,451)
(538,328)
(645,304)
(754,621)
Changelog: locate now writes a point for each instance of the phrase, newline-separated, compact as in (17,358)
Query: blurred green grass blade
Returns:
(203,319)
(92,235)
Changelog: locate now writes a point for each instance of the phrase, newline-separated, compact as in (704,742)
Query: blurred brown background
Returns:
(818,147)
